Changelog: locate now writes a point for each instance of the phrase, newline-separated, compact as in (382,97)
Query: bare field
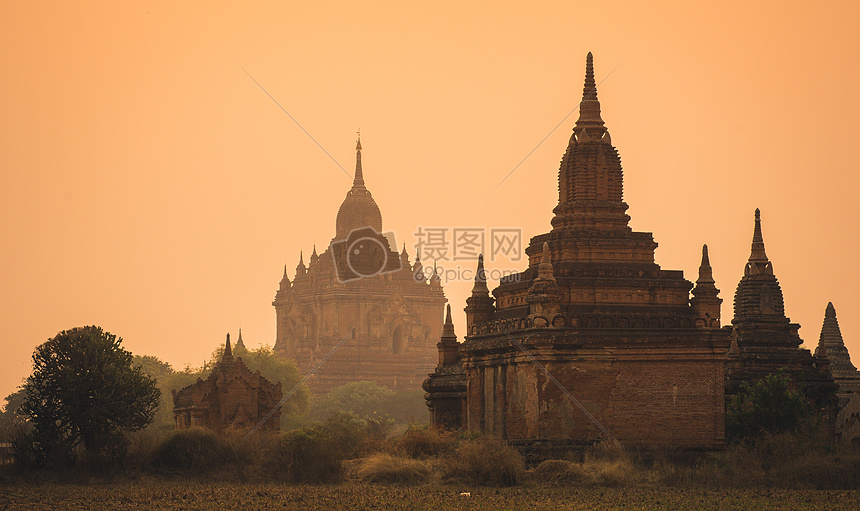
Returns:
(216,496)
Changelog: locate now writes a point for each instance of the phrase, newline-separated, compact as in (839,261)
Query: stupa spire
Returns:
(758,262)
(239,342)
(228,352)
(545,266)
(589,126)
(480,288)
(706,274)
(831,345)
(448,327)
(435,279)
(589,91)
(300,268)
(358,182)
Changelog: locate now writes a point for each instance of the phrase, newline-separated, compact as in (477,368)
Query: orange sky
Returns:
(153,189)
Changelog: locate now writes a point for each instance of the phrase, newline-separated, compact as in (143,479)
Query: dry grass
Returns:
(385,468)
(486,461)
(423,442)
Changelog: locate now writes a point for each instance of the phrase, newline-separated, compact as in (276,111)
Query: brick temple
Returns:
(831,348)
(764,340)
(232,396)
(593,340)
(360,293)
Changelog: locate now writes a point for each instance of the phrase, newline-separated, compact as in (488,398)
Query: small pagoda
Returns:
(232,396)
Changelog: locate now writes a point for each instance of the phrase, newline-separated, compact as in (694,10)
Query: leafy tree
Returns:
(14,401)
(768,406)
(85,392)
(367,399)
(166,379)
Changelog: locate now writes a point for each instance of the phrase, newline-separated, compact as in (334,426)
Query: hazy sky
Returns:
(152,188)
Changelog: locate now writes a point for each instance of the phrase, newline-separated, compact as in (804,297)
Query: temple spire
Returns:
(228,352)
(831,345)
(448,327)
(706,301)
(545,266)
(435,279)
(358,182)
(589,126)
(480,288)
(589,91)
(758,262)
(240,344)
(706,274)
(448,342)
(300,268)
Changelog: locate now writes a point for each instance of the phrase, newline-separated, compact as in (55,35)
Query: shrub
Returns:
(421,442)
(768,406)
(487,461)
(307,455)
(194,449)
(385,468)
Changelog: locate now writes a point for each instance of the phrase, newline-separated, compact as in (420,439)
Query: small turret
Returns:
(285,281)
(301,270)
(435,279)
(417,268)
(228,352)
(479,306)
(544,296)
(448,344)
(240,345)
(706,302)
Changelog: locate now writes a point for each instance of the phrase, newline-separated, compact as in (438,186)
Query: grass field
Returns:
(217,496)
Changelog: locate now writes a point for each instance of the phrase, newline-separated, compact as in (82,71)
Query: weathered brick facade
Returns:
(386,313)
(232,396)
(594,340)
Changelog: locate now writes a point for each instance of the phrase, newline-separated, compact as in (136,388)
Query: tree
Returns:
(768,406)
(166,379)
(84,392)
(367,399)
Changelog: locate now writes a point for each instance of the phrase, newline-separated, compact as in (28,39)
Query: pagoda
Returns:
(764,340)
(359,310)
(832,348)
(593,341)
(231,396)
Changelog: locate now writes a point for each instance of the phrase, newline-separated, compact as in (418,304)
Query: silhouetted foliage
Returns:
(84,392)
(11,414)
(166,379)
(195,449)
(767,406)
(369,400)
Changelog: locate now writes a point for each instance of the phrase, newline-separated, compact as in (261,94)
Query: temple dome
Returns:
(358,208)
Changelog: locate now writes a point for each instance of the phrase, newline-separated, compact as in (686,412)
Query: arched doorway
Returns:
(398,340)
